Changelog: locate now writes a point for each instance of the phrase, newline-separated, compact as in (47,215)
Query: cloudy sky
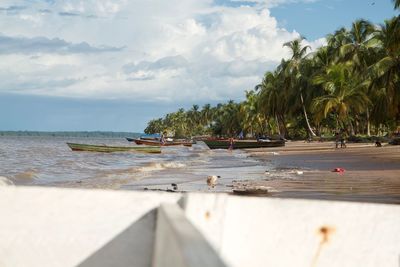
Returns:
(115,64)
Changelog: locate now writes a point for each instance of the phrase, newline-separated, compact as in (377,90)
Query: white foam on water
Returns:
(161,166)
(4,181)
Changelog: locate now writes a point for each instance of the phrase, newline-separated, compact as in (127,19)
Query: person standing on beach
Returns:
(241,135)
(337,139)
(162,139)
(343,139)
(230,143)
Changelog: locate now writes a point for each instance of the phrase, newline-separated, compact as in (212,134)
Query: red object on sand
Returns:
(339,170)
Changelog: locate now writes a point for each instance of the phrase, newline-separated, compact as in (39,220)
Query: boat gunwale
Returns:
(242,144)
(109,149)
(156,143)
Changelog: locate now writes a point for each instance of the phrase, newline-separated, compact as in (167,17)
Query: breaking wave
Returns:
(5,181)
(161,166)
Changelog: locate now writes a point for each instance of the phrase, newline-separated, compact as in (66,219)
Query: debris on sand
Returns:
(212,180)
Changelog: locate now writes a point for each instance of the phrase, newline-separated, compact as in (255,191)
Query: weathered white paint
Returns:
(286,232)
(179,244)
(66,227)
(70,227)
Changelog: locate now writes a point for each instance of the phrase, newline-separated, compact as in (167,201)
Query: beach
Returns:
(371,174)
(298,170)
(301,170)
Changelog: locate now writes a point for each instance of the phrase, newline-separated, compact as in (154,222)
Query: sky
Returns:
(112,65)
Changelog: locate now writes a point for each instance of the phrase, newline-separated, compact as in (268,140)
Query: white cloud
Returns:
(273,3)
(173,50)
(20,45)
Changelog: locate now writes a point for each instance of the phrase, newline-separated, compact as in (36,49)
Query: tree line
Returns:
(351,83)
(92,134)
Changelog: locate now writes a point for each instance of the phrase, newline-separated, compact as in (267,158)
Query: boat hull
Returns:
(158,143)
(242,144)
(142,138)
(109,149)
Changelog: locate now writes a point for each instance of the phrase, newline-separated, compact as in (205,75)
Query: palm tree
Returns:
(357,52)
(293,71)
(335,42)
(273,98)
(154,126)
(206,115)
(385,72)
(360,41)
(342,94)
(252,119)
(396,4)
(177,123)
(194,120)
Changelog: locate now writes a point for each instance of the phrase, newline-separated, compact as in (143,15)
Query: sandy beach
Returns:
(371,174)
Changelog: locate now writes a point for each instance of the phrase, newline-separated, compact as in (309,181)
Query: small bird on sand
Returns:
(212,180)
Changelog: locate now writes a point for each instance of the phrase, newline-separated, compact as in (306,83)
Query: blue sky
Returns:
(316,19)
(114,65)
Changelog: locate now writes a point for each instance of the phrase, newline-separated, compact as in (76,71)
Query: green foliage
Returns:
(396,4)
(352,83)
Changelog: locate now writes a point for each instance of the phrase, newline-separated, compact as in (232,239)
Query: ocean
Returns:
(48,161)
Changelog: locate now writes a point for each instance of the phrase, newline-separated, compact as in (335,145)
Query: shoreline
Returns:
(298,170)
(372,174)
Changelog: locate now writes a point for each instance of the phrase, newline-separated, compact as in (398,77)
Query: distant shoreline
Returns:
(104,134)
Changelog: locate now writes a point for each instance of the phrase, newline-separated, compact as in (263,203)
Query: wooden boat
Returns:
(130,139)
(158,143)
(239,144)
(142,138)
(108,149)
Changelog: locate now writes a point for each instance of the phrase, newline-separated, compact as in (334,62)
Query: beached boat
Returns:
(130,139)
(108,149)
(158,143)
(142,138)
(238,144)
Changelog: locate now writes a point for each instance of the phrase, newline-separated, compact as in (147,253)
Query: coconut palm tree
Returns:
(360,41)
(206,116)
(335,42)
(193,117)
(177,123)
(273,98)
(293,71)
(252,119)
(357,52)
(385,72)
(155,126)
(396,4)
(343,98)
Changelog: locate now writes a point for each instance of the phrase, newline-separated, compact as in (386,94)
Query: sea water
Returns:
(48,161)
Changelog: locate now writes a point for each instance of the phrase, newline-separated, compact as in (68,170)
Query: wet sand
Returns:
(371,174)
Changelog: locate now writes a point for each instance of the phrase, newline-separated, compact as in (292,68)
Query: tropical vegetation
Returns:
(352,83)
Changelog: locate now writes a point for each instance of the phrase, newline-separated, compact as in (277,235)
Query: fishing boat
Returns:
(239,144)
(147,137)
(108,149)
(130,139)
(159,143)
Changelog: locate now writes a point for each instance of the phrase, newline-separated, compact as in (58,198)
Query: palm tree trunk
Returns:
(351,128)
(277,123)
(283,130)
(306,117)
(368,124)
